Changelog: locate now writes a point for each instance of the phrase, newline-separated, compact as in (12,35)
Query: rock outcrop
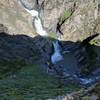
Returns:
(15,18)
(82,17)
(23,47)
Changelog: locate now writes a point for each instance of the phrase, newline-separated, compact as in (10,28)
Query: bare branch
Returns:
(88,39)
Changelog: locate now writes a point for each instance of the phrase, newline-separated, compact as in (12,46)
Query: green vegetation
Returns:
(30,82)
(66,14)
(52,36)
(94,42)
(7,67)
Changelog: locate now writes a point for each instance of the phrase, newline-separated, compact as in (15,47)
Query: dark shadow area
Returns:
(22,56)
(22,48)
(17,47)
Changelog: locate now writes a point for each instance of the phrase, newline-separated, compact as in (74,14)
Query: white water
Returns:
(32,12)
(85,80)
(56,56)
(39,29)
(37,23)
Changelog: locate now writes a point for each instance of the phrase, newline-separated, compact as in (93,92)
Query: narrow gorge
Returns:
(49,49)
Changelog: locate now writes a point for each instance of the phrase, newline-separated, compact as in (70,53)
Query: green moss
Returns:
(52,36)
(6,67)
(94,42)
(30,81)
(66,14)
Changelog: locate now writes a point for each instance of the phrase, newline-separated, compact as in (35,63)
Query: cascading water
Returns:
(39,27)
(56,56)
(37,22)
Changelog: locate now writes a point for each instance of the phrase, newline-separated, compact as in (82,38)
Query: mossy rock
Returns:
(10,66)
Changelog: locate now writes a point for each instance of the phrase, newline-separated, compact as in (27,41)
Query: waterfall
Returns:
(39,27)
(37,22)
(36,19)
(56,56)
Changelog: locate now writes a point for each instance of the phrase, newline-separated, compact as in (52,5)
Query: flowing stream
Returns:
(57,56)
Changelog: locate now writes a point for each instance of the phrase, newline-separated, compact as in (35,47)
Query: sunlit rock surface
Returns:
(81,24)
(15,18)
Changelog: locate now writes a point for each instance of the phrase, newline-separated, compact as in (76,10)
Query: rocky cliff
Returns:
(72,20)
(82,18)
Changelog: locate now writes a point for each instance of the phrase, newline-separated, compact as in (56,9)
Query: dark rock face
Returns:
(31,50)
(86,59)
(81,68)
(16,47)
(22,47)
